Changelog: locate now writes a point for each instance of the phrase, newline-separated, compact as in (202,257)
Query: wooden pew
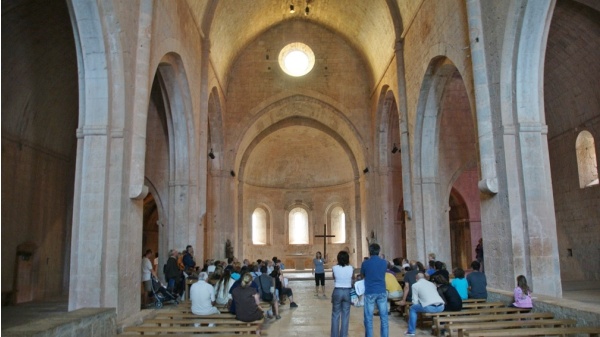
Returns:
(458,329)
(474,300)
(180,315)
(589,331)
(192,329)
(467,312)
(443,321)
(479,305)
(171,326)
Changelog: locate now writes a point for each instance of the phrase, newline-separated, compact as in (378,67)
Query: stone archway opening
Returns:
(460,231)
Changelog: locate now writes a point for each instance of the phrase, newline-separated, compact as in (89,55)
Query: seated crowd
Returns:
(237,286)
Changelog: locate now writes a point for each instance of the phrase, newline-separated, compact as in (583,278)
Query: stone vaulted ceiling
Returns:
(231,24)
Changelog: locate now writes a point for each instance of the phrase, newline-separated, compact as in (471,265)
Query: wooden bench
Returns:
(192,329)
(474,300)
(590,331)
(171,326)
(442,321)
(476,311)
(180,315)
(458,329)
(480,305)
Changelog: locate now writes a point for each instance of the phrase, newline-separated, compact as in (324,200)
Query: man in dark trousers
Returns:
(373,272)
(173,273)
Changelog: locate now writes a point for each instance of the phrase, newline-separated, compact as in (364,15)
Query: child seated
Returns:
(522,294)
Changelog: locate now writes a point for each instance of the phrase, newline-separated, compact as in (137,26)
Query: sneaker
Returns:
(293,305)
(211,325)
(277,317)
(409,333)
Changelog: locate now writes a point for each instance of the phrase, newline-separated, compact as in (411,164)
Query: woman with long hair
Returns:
(522,294)
(247,302)
(223,286)
(340,298)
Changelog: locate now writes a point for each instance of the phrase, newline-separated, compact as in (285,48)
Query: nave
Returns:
(313,315)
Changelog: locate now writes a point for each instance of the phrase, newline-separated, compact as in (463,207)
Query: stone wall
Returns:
(83,322)
(585,314)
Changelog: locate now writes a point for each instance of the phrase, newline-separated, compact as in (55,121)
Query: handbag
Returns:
(267,297)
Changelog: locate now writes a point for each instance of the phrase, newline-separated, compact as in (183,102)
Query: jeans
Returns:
(381,301)
(415,309)
(340,299)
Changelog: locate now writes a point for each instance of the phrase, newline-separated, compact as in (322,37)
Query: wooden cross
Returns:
(324,236)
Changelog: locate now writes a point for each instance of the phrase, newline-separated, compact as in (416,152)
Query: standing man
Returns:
(373,272)
(479,254)
(425,298)
(147,271)
(172,272)
(188,259)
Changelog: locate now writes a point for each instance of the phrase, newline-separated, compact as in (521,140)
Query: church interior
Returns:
(285,127)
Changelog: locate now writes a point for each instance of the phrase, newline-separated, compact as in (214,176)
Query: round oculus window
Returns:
(296,59)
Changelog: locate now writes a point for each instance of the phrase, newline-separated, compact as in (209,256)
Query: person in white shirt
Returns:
(203,298)
(147,271)
(343,274)
(425,298)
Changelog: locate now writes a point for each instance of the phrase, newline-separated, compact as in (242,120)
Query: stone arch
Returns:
(268,223)
(424,231)
(215,128)
(526,159)
(101,116)
(460,231)
(328,215)
(174,86)
(293,121)
(309,220)
(308,106)
(388,167)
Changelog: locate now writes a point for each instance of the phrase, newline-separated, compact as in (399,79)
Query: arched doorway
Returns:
(460,231)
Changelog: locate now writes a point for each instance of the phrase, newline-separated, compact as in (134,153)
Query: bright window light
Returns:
(296,59)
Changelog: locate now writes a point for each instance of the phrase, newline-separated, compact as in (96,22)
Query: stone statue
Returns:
(371,239)
(228,249)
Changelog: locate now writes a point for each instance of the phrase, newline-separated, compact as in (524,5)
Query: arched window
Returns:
(338,225)
(586,160)
(260,222)
(298,226)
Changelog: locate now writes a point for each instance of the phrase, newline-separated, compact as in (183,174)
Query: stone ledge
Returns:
(585,314)
(89,322)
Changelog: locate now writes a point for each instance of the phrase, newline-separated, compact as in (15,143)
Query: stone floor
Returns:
(312,317)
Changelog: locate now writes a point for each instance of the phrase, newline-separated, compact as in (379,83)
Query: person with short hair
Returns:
(425,298)
(266,285)
(410,278)
(440,270)
(173,274)
(373,271)
(203,298)
(460,283)
(477,282)
(147,272)
(343,273)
